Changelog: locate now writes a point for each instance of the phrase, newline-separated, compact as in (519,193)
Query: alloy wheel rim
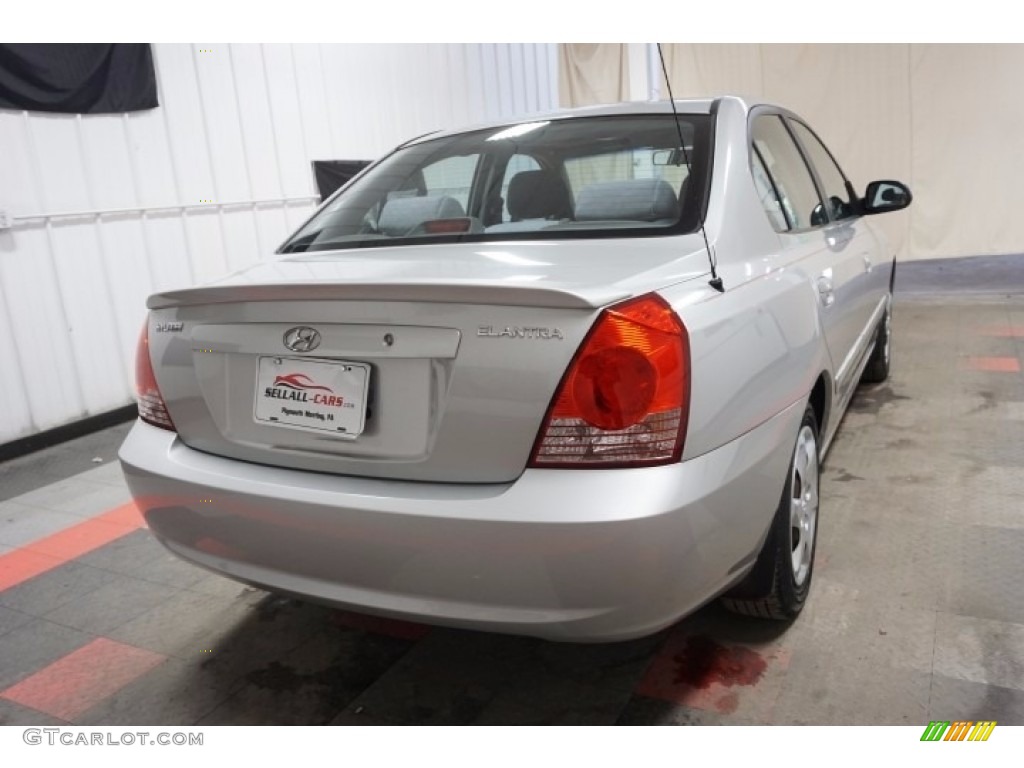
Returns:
(803,504)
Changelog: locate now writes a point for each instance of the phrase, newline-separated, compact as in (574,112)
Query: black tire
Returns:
(775,588)
(877,369)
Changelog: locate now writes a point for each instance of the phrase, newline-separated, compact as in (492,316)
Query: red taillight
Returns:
(625,399)
(152,408)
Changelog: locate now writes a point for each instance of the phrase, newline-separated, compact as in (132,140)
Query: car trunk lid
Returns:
(433,364)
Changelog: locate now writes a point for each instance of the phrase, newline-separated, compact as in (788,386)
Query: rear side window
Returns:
(768,195)
(831,175)
(786,168)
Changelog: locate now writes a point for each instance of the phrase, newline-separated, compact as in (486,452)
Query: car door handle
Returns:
(826,293)
(867,262)
(839,236)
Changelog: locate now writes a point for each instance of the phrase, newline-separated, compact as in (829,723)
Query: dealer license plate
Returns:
(313,395)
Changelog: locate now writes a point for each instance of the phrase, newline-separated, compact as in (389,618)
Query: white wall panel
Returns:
(88,305)
(251,110)
(154,178)
(13,387)
(466,84)
(128,275)
(312,97)
(39,331)
(238,124)
(286,120)
(185,132)
(106,161)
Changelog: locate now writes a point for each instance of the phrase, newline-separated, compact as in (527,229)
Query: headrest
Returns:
(630,200)
(538,195)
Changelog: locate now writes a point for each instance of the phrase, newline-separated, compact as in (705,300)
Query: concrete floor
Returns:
(916,613)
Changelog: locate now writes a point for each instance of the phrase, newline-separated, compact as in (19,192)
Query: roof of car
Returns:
(662,106)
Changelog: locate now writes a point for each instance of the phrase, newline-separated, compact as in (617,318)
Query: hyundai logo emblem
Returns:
(302,338)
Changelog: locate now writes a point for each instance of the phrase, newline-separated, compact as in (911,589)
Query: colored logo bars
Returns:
(960,730)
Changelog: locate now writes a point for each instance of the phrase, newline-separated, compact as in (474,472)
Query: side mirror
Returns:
(818,216)
(885,196)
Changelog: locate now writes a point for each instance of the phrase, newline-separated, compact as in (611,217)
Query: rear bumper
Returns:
(593,555)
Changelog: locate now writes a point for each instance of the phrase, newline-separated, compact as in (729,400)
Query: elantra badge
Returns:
(517,332)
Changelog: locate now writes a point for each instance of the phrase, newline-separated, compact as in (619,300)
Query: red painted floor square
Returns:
(54,550)
(83,678)
(992,364)
(22,564)
(126,515)
(78,539)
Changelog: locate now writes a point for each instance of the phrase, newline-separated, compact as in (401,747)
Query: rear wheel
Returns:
(877,369)
(778,585)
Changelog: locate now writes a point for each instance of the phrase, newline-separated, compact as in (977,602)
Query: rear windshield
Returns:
(622,176)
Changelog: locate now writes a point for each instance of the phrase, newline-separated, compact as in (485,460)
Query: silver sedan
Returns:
(570,377)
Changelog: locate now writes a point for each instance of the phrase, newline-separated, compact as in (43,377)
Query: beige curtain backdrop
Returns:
(946,119)
(592,73)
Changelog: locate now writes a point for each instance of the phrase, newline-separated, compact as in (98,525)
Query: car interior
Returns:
(540,199)
(578,176)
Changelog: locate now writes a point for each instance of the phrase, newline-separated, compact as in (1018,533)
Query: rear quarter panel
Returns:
(758,347)
(755,350)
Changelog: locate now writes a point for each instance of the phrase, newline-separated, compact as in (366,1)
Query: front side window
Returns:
(791,178)
(569,178)
(832,178)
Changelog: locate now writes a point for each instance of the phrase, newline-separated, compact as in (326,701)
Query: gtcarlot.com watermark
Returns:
(73,738)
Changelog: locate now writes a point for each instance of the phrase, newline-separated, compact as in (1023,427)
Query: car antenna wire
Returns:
(715,281)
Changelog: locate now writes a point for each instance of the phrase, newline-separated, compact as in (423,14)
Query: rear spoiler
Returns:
(425,291)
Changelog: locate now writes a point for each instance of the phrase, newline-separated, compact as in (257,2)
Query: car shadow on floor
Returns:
(291,662)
